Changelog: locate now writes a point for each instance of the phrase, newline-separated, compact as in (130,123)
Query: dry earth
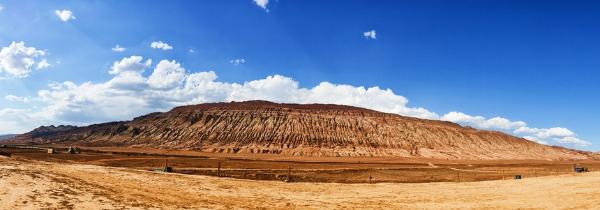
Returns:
(26,184)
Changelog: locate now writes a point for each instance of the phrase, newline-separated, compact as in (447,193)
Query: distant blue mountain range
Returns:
(7,136)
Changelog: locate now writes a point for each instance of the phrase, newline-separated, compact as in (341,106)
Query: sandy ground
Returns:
(26,184)
(311,169)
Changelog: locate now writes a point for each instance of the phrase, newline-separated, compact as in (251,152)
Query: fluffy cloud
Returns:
(574,141)
(17,121)
(540,135)
(14,98)
(496,123)
(161,45)
(262,4)
(384,100)
(370,34)
(128,73)
(129,94)
(556,132)
(17,60)
(42,64)
(118,48)
(166,75)
(64,15)
(1,7)
(238,61)
(130,64)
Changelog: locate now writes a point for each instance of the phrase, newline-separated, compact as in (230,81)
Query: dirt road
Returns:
(26,184)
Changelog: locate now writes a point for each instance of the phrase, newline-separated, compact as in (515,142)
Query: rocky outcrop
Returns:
(301,130)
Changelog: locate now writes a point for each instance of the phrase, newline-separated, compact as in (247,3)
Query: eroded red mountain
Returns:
(301,130)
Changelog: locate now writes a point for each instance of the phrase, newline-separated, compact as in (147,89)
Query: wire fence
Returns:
(376,175)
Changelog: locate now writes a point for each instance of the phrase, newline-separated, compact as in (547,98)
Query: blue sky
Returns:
(528,68)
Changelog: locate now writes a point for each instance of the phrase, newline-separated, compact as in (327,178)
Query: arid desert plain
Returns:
(106,178)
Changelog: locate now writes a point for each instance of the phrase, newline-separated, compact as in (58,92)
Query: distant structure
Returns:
(51,151)
(73,150)
(579,169)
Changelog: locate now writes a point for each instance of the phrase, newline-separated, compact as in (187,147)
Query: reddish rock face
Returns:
(301,130)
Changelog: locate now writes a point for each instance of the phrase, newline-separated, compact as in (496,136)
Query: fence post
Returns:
(289,175)
(219,169)
(370,177)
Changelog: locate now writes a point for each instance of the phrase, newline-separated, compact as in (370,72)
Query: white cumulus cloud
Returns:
(496,123)
(372,34)
(541,135)
(167,74)
(161,45)
(129,94)
(118,48)
(19,120)
(42,64)
(573,141)
(64,15)
(262,4)
(18,60)
(130,64)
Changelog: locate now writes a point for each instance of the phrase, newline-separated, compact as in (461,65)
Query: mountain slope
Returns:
(305,130)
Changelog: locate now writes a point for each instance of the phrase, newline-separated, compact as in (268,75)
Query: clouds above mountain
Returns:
(482,122)
(18,60)
(129,94)
(167,75)
(16,120)
(541,135)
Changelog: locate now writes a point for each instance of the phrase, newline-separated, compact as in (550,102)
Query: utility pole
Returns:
(370,177)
